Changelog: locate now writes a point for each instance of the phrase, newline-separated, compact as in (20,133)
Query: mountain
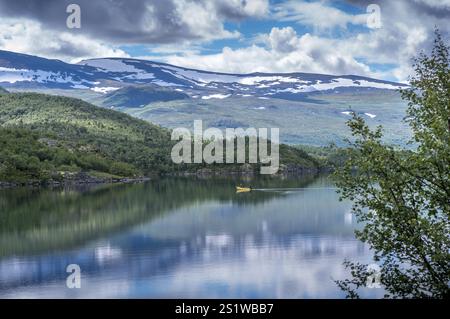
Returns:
(27,71)
(308,108)
(2,90)
(45,137)
(103,75)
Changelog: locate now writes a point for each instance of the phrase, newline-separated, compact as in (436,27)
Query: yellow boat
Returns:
(243,189)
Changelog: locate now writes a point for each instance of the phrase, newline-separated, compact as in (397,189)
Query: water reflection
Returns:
(178,238)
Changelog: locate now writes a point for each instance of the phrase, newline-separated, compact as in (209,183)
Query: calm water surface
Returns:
(179,238)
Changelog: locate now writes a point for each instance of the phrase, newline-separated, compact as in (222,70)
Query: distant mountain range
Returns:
(109,74)
(308,108)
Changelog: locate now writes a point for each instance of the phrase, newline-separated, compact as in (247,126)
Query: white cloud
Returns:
(202,20)
(167,23)
(283,40)
(177,30)
(316,14)
(29,37)
(407,28)
(439,4)
(241,9)
(286,52)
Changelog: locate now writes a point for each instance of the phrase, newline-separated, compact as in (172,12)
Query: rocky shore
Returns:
(81,178)
(250,171)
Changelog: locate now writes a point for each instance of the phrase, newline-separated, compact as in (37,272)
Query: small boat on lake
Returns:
(243,189)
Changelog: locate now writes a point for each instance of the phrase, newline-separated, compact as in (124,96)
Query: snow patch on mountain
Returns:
(338,83)
(216,96)
(199,76)
(119,66)
(254,80)
(111,65)
(11,75)
(104,90)
(102,75)
(298,89)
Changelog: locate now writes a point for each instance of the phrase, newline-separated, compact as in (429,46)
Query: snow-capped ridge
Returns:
(106,74)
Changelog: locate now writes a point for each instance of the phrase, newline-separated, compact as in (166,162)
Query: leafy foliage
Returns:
(403,196)
(25,156)
(329,156)
(96,137)
(43,136)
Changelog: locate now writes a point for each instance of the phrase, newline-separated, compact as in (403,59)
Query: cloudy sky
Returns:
(237,36)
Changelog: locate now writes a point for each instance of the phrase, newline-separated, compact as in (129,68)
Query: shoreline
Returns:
(84,178)
(73,182)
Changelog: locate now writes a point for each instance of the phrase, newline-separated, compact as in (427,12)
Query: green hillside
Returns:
(2,90)
(137,96)
(318,120)
(44,137)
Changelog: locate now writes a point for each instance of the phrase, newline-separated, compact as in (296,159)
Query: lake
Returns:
(179,238)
